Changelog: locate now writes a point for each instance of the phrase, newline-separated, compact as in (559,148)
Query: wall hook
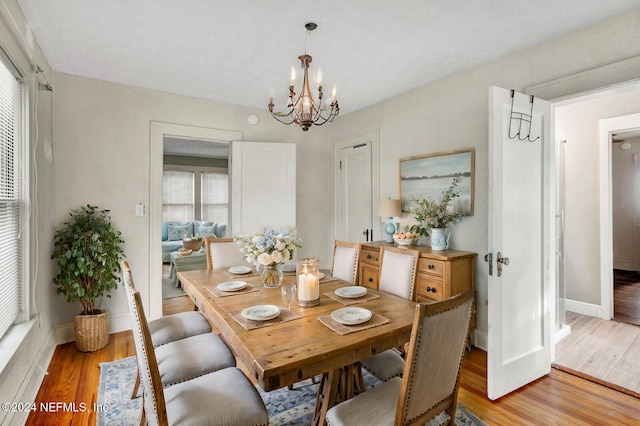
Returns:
(520,118)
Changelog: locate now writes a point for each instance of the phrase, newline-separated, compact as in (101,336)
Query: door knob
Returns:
(501,261)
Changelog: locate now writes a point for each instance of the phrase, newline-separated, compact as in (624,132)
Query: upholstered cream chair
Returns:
(345,261)
(430,381)
(223,253)
(224,397)
(183,358)
(397,276)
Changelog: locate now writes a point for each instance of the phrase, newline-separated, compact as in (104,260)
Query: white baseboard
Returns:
(583,308)
(481,340)
(562,333)
(117,323)
(33,357)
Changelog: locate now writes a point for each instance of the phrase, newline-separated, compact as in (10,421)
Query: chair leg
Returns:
(136,385)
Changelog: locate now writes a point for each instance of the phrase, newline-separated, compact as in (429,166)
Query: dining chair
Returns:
(182,358)
(223,397)
(429,384)
(223,253)
(345,261)
(397,276)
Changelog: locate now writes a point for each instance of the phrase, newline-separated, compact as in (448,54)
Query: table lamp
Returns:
(390,208)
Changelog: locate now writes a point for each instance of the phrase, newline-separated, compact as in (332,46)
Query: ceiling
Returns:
(242,51)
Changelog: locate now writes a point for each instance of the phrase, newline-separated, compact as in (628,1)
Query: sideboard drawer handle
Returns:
(370,279)
(428,289)
(431,266)
(368,256)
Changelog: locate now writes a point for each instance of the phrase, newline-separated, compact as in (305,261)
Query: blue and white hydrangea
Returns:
(269,246)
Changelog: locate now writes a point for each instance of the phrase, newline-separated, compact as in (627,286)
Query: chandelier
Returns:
(305,111)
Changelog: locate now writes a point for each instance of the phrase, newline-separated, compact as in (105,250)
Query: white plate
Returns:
(232,285)
(351,315)
(351,292)
(239,269)
(261,312)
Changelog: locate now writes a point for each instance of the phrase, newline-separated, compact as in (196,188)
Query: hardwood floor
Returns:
(626,296)
(556,399)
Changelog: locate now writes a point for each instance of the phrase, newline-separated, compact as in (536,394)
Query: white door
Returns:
(263,186)
(520,248)
(356,202)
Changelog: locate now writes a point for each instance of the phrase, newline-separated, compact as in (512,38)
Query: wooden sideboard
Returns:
(440,274)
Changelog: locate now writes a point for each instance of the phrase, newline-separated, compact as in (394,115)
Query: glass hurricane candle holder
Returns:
(307,272)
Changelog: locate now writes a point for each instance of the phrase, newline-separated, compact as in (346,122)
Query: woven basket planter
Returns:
(91,331)
(193,245)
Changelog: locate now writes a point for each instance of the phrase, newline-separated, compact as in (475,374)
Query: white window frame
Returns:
(23,164)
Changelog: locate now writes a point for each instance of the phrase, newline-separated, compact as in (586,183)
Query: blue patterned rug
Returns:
(286,407)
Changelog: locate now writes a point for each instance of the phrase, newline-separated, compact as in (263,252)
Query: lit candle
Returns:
(308,288)
(293,75)
(333,92)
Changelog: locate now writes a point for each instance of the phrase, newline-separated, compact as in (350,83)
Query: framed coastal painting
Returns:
(431,174)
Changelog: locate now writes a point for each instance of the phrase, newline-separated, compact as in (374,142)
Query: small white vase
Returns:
(440,238)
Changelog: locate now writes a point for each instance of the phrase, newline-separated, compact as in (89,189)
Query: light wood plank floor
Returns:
(607,351)
(556,399)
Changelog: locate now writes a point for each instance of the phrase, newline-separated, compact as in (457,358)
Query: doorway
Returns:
(356,187)
(593,349)
(152,294)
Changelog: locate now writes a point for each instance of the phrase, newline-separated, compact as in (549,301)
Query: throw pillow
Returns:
(176,232)
(206,228)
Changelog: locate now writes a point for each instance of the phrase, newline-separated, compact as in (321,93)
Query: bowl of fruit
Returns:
(406,239)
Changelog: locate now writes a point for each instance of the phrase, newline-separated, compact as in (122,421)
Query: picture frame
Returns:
(431,174)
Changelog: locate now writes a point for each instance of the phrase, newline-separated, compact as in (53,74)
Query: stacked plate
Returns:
(351,315)
(261,312)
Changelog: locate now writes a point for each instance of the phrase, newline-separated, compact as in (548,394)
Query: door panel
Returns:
(356,203)
(519,231)
(263,186)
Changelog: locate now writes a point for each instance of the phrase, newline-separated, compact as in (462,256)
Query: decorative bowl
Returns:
(405,241)
(184,252)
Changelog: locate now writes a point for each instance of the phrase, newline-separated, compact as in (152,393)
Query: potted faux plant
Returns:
(433,216)
(87,250)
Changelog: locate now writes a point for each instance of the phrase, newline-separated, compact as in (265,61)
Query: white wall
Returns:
(102,156)
(579,125)
(452,113)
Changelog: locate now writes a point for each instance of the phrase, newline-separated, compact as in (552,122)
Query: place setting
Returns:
(351,319)
(265,315)
(231,288)
(239,271)
(351,295)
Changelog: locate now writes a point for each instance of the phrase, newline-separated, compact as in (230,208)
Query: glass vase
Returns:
(271,275)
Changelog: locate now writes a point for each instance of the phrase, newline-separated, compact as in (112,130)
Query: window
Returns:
(177,196)
(11,146)
(215,197)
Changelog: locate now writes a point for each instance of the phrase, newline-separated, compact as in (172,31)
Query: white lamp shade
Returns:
(390,208)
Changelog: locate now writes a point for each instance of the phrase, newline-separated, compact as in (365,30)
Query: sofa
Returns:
(173,232)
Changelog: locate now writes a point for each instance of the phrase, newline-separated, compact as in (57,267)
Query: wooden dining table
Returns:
(279,353)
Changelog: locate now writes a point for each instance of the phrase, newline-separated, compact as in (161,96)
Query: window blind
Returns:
(215,197)
(10,197)
(177,196)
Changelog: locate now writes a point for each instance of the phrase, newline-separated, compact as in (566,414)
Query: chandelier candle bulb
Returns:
(308,282)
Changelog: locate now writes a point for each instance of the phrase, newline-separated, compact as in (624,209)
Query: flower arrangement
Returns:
(438,213)
(269,246)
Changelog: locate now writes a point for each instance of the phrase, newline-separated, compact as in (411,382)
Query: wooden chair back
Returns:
(432,370)
(154,408)
(398,271)
(345,261)
(223,253)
